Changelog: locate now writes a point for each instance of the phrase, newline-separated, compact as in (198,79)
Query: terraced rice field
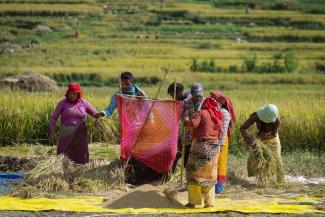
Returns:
(116,36)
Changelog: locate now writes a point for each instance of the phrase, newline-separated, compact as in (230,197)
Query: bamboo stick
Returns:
(183,152)
(286,202)
(175,89)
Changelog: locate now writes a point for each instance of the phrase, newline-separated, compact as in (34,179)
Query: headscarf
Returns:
(74,87)
(268,113)
(210,104)
(228,104)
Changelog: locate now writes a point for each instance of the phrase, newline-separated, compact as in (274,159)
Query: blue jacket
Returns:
(132,91)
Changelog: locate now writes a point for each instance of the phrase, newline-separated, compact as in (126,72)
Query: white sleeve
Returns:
(225,124)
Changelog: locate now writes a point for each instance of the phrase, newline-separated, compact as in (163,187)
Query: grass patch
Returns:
(294,165)
(207,45)
(97,80)
(26,150)
(305,163)
(104,150)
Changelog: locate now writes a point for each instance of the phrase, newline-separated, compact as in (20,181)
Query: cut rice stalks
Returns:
(60,174)
(269,165)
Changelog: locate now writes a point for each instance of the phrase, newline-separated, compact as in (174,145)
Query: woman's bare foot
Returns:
(208,206)
(189,205)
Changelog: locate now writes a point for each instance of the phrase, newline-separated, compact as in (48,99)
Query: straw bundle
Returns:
(57,174)
(268,165)
(106,129)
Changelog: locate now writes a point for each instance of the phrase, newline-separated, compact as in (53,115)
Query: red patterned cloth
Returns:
(211,105)
(227,103)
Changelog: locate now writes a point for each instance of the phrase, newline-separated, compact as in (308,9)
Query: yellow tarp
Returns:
(93,204)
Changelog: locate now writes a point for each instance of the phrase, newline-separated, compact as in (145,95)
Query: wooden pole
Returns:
(162,82)
(175,89)
(285,202)
(183,150)
(120,84)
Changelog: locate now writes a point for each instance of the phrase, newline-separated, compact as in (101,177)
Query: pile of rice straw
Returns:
(269,166)
(60,174)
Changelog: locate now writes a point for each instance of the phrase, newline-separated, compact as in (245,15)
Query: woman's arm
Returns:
(90,109)
(55,115)
(249,139)
(225,124)
(185,109)
(194,120)
(109,110)
(54,118)
(276,126)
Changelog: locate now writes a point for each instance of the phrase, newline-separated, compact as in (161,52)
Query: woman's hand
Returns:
(99,114)
(51,137)
(191,114)
(249,140)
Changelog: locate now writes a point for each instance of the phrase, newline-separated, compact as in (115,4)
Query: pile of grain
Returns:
(145,196)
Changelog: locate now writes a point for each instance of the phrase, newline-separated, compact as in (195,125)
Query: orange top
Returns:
(203,127)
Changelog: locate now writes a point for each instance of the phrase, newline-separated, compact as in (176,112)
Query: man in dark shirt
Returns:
(179,96)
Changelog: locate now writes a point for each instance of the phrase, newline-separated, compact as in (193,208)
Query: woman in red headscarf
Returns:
(202,165)
(229,118)
(72,110)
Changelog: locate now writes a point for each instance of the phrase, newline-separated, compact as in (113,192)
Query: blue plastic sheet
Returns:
(6,179)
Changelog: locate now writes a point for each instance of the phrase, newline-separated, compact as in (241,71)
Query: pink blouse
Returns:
(71,113)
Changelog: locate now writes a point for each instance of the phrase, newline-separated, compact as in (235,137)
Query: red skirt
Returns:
(73,142)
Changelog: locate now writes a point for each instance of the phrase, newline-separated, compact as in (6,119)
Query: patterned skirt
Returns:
(202,165)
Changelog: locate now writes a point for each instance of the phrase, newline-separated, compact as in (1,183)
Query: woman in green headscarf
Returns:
(267,126)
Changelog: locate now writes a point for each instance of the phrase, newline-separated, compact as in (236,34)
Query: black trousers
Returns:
(179,153)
